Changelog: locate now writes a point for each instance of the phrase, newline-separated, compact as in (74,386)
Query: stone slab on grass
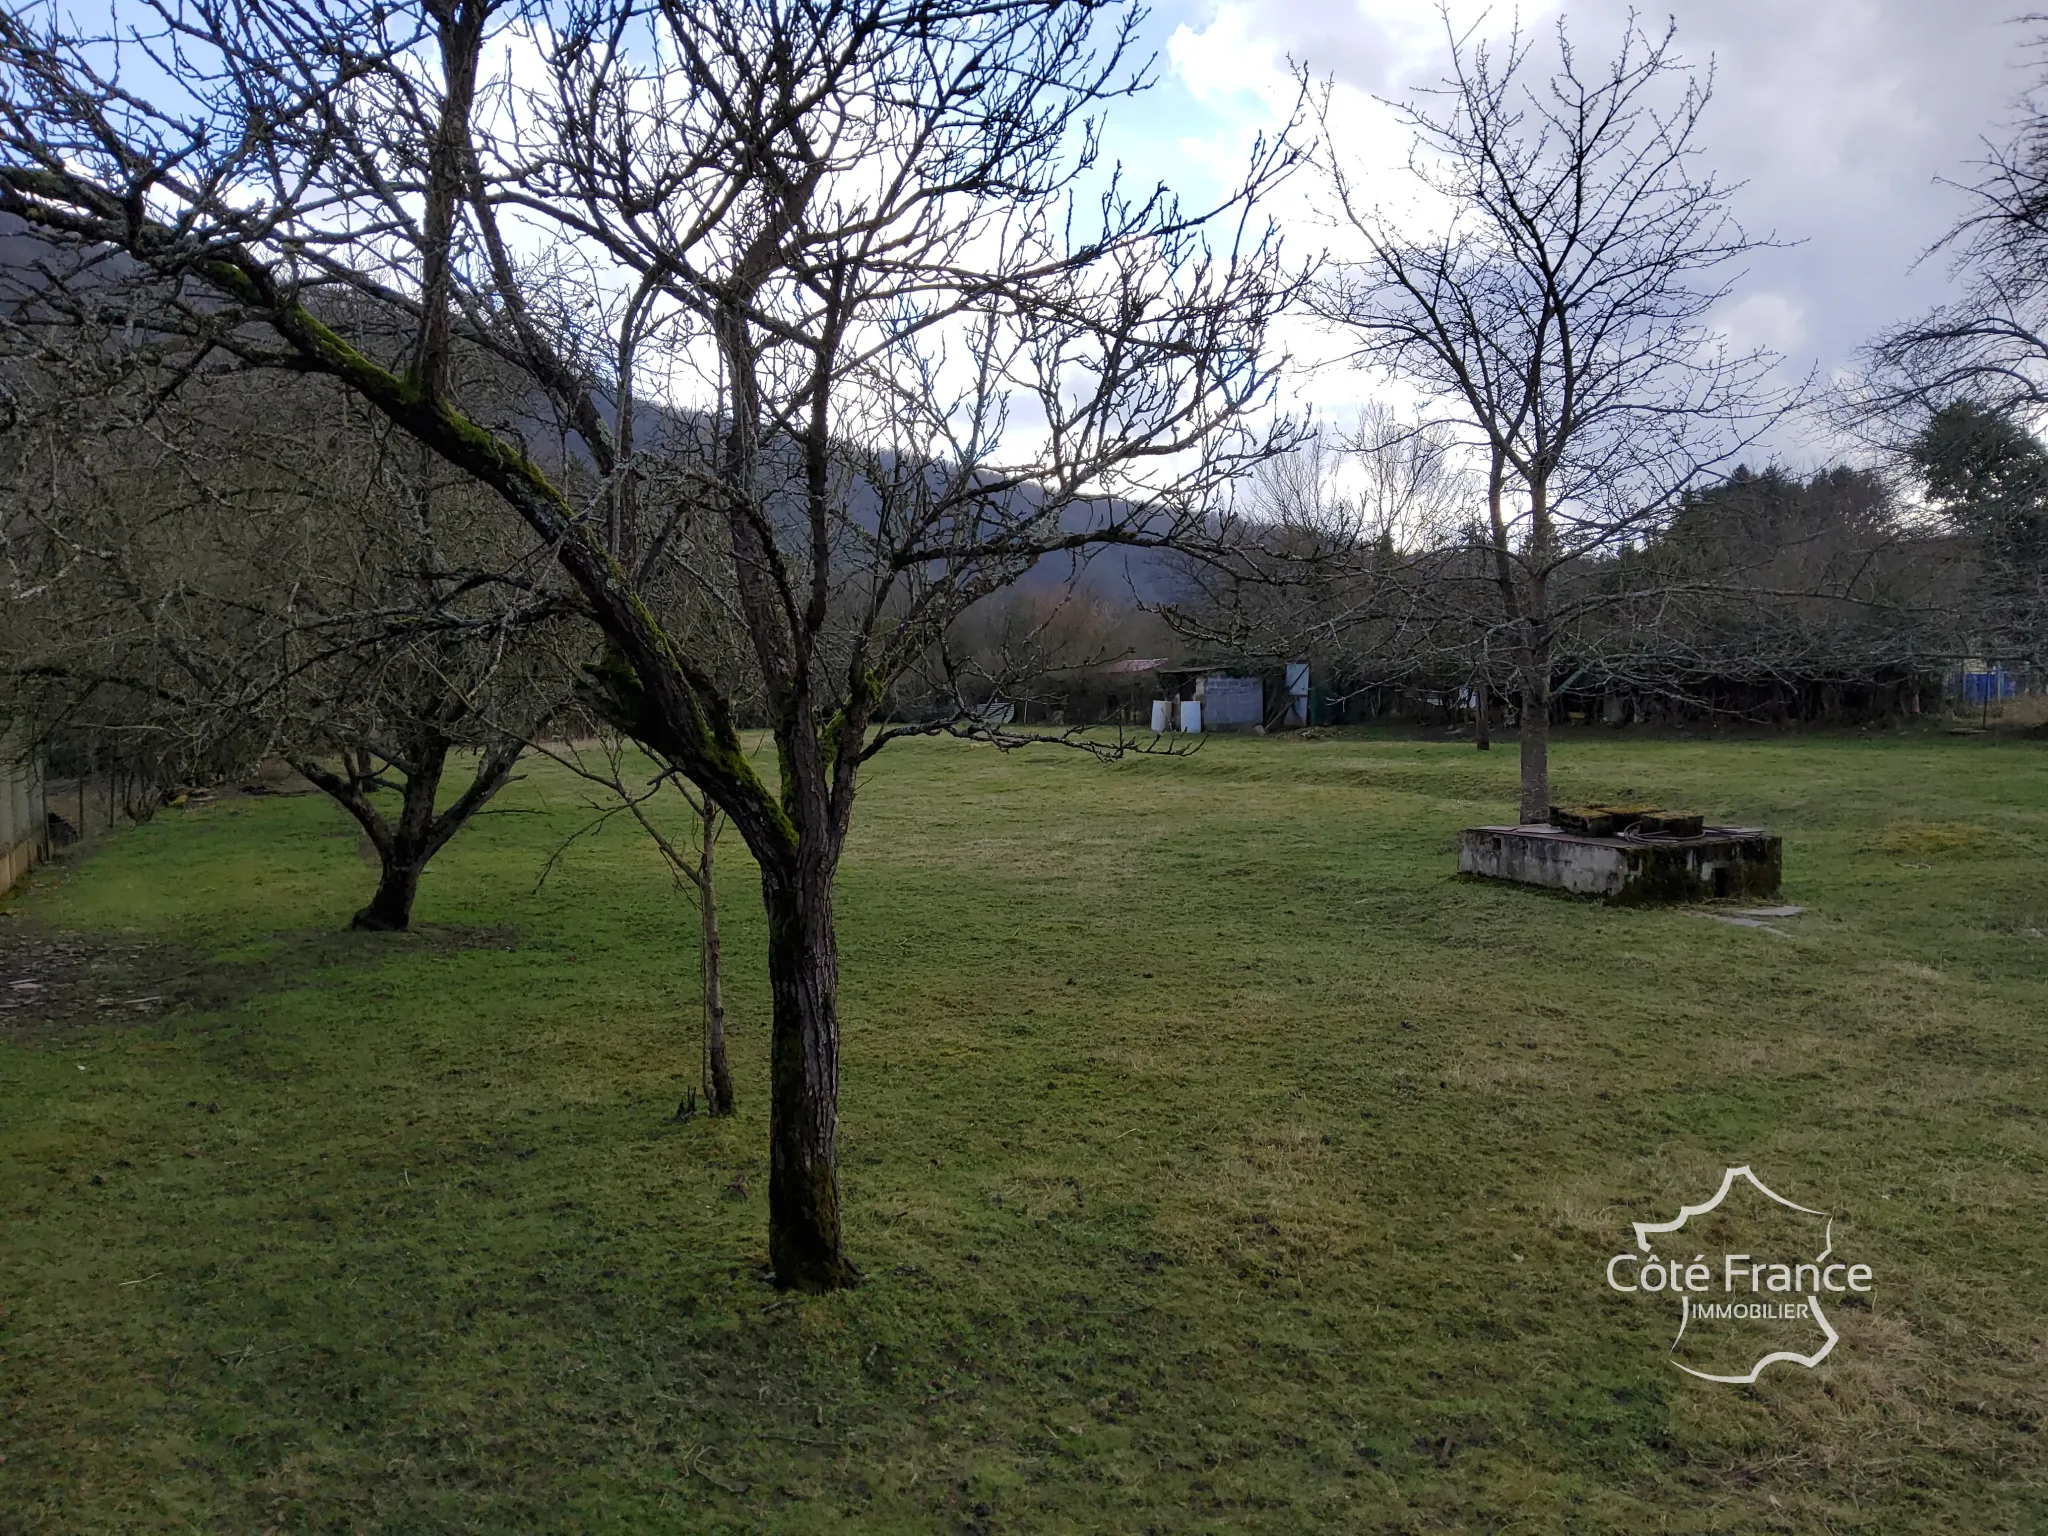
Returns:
(1719,864)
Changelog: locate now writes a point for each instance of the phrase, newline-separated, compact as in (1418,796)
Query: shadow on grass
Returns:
(53,980)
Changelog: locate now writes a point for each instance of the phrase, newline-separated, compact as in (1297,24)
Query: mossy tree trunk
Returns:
(803,1183)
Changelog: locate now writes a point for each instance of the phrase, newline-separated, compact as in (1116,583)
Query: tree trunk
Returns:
(1536,644)
(390,910)
(408,844)
(718,1096)
(1482,724)
(803,1183)
(1535,687)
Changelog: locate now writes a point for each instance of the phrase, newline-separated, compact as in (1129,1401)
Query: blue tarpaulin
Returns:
(1984,687)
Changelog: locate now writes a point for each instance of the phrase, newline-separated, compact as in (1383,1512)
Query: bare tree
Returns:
(257,567)
(1957,395)
(605,762)
(1764,596)
(1359,552)
(1560,315)
(1989,346)
(914,337)
(1027,651)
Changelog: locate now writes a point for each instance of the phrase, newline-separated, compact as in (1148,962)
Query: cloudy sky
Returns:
(1841,116)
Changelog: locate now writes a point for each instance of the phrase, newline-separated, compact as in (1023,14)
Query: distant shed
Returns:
(1142,687)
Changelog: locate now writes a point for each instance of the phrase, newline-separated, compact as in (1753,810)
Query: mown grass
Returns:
(1217,1162)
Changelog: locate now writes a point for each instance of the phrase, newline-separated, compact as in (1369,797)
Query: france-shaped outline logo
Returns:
(1685,1214)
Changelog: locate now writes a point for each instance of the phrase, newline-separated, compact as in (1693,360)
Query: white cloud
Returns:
(1768,320)
(1840,117)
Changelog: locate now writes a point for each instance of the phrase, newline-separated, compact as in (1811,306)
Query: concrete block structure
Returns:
(1631,869)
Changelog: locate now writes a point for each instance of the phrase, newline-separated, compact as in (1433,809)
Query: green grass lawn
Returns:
(1216,1159)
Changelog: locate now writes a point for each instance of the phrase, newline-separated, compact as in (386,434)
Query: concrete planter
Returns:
(1720,863)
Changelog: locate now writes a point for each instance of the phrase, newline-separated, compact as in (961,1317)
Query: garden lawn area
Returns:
(1217,1161)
